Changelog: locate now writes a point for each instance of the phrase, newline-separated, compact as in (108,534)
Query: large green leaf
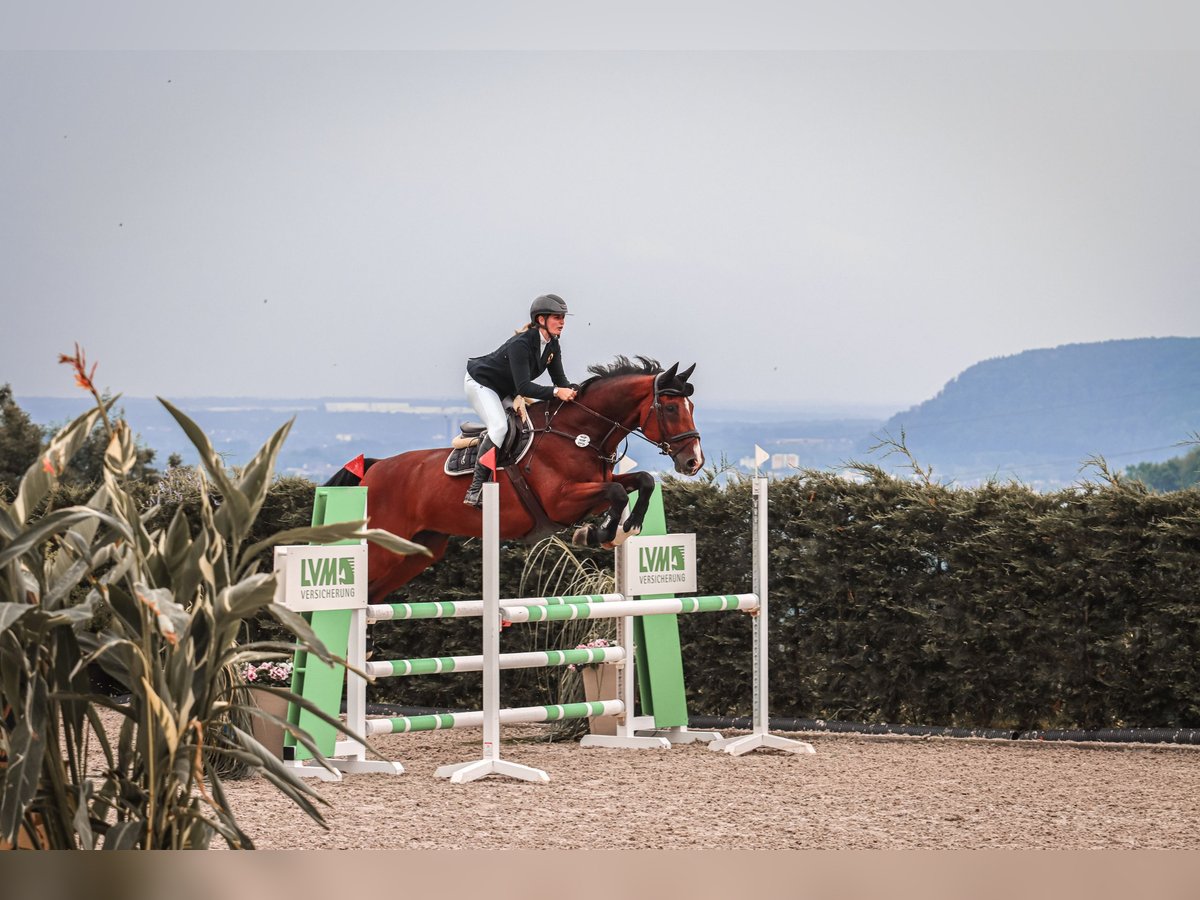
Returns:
(187,572)
(283,777)
(26,747)
(171,618)
(255,480)
(11,612)
(9,527)
(247,597)
(65,582)
(59,520)
(238,509)
(332,533)
(41,477)
(121,452)
(124,835)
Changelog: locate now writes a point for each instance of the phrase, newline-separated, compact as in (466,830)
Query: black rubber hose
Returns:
(745,723)
(1120,735)
(1101,735)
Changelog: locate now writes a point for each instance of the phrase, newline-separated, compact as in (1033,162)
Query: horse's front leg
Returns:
(631,523)
(592,495)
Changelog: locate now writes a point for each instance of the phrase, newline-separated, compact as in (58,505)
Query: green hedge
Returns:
(906,602)
(892,600)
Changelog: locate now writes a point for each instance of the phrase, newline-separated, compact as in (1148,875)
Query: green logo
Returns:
(326,572)
(660,559)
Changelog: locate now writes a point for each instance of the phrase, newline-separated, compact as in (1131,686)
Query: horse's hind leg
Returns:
(405,568)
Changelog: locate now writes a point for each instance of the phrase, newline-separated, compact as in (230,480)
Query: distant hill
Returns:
(1038,415)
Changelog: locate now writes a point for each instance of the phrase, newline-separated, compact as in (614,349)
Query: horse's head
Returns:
(641,397)
(669,421)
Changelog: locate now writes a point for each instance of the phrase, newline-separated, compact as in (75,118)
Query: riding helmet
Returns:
(547,305)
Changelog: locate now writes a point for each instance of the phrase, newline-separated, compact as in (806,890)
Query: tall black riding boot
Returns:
(475,491)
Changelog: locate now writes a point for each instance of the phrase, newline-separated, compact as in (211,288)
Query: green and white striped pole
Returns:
(626,608)
(459,609)
(533,659)
(521,714)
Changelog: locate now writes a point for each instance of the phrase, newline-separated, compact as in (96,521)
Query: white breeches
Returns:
(487,403)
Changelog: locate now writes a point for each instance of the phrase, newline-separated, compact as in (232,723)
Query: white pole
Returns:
(491,763)
(626,673)
(356,686)
(761,735)
(491,621)
(761,644)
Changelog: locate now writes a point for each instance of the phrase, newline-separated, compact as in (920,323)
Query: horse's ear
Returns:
(687,373)
(663,379)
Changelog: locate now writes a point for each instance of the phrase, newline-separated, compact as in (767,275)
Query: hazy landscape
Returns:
(1035,417)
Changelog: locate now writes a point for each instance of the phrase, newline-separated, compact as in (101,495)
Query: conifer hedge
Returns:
(905,601)
(997,607)
(892,600)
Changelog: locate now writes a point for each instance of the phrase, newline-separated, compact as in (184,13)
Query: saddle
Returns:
(517,442)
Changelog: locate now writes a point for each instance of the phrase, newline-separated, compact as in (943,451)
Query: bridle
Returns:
(657,409)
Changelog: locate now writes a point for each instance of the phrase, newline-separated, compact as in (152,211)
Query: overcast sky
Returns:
(816,226)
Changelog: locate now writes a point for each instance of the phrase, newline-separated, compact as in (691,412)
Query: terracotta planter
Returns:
(267,733)
(25,840)
(600,683)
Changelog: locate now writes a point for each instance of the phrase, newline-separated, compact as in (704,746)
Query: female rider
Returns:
(509,371)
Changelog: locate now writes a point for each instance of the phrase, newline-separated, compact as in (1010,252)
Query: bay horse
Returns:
(568,469)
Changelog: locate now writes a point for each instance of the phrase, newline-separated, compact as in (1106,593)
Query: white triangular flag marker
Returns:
(626,465)
(760,456)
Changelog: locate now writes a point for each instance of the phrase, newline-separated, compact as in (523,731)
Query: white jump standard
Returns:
(760,736)
(491,763)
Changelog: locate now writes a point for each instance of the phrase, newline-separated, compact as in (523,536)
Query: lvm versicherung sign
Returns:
(315,578)
(659,565)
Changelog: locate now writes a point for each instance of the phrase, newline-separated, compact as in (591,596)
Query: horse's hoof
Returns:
(624,534)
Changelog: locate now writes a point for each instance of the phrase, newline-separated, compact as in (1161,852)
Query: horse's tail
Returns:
(351,474)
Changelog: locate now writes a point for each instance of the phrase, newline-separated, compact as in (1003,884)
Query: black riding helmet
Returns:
(547,305)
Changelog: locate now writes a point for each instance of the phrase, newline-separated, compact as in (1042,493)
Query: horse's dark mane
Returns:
(623,365)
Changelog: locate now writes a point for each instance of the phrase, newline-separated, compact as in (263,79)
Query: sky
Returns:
(818,215)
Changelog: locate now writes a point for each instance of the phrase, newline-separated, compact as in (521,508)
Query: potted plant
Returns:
(268,683)
(599,683)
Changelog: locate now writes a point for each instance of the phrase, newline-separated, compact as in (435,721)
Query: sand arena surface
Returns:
(856,792)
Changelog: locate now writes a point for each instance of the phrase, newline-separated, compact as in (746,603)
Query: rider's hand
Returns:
(564,393)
